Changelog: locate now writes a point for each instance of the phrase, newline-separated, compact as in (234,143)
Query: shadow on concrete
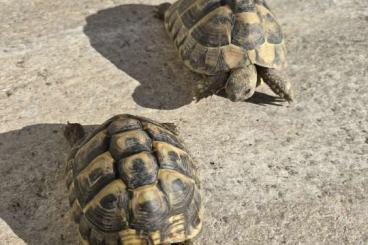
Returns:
(136,42)
(33,195)
(263,99)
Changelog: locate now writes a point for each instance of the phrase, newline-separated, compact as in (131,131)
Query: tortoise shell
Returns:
(215,36)
(133,182)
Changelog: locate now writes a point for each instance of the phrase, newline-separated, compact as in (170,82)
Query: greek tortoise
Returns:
(132,182)
(232,43)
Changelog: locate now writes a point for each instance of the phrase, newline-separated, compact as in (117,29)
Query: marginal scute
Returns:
(84,228)
(194,215)
(69,178)
(123,124)
(76,211)
(234,56)
(240,6)
(182,6)
(82,240)
(131,237)
(96,237)
(197,59)
(212,56)
(177,30)
(176,229)
(180,35)
(71,193)
(161,134)
(170,20)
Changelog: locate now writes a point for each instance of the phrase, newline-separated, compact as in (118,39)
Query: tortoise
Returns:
(132,181)
(234,44)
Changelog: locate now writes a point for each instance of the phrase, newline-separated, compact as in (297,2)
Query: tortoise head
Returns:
(74,133)
(241,83)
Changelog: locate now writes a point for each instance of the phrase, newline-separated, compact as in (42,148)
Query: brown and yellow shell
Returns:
(214,36)
(133,182)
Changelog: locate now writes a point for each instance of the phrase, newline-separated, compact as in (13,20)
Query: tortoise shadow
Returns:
(260,99)
(33,196)
(263,99)
(136,42)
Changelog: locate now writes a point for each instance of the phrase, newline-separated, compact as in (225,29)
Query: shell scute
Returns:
(122,125)
(171,157)
(138,170)
(149,208)
(197,11)
(248,36)
(94,177)
(178,188)
(130,142)
(215,29)
(108,210)
(161,134)
(97,145)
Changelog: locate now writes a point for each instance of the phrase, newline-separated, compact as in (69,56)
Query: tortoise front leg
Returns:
(275,79)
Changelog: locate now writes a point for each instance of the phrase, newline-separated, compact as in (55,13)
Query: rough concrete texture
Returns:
(272,173)
(7,236)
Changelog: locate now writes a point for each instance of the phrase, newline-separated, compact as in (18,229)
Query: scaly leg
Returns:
(275,79)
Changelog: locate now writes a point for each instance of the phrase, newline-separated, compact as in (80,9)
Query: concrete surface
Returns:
(7,236)
(272,173)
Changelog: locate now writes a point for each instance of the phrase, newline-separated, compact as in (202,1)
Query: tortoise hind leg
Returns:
(161,9)
(277,82)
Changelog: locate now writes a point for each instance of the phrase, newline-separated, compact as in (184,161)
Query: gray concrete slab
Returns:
(272,173)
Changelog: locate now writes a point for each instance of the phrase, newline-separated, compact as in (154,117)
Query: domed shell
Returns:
(133,182)
(215,36)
